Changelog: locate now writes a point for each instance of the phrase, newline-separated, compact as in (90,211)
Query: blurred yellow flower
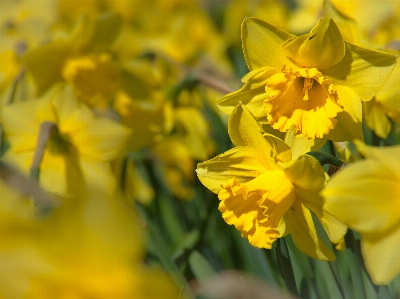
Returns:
(366,197)
(265,193)
(315,82)
(90,247)
(79,150)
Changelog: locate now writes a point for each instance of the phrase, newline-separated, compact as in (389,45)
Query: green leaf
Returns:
(199,265)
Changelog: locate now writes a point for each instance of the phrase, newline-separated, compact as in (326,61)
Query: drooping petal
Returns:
(381,253)
(322,48)
(244,130)
(367,203)
(300,225)
(261,44)
(250,93)
(349,121)
(313,201)
(241,163)
(363,70)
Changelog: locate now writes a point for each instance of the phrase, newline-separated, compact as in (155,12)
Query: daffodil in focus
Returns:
(314,82)
(80,146)
(265,192)
(366,197)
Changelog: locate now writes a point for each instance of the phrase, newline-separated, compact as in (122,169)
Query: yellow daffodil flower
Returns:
(366,197)
(78,150)
(265,193)
(315,82)
(90,247)
(82,59)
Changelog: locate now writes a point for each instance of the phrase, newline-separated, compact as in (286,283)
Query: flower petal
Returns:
(381,254)
(320,49)
(349,121)
(305,172)
(262,44)
(333,227)
(241,163)
(251,94)
(376,119)
(301,144)
(365,71)
(21,123)
(244,130)
(364,196)
(300,225)
(388,156)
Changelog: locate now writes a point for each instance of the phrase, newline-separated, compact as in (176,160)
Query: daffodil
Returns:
(90,247)
(83,59)
(314,82)
(79,148)
(366,197)
(265,192)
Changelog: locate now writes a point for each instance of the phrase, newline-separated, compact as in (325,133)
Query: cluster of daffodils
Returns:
(108,105)
(311,88)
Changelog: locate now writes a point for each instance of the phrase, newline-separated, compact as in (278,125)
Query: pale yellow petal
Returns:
(364,196)
(240,162)
(322,48)
(349,121)
(251,94)
(381,253)
(262,44)
(363,70)
(300,225)
(244,130)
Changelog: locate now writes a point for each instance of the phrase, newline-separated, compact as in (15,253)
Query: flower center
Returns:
(94,77)
(308,83)
(304,99)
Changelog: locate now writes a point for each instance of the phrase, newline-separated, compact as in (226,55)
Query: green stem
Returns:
(324,158)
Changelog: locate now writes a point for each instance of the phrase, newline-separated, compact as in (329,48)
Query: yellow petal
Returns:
(249,94)
(21,122)
(365,71)
(262,44)
(335,229)
(388,156)
(322,48)
(102,139)
(349,121)
(376,118)
(380,253)
(300,225)
(244,130)
(305,172)
(241,162)
(364,196)
(301,144)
